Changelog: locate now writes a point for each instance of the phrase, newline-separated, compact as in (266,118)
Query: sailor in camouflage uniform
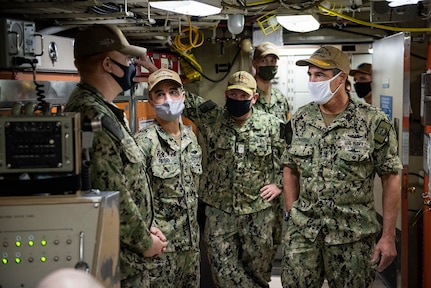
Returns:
(338,145)
(242,179)
(102,57)
(270,100)
(173,158)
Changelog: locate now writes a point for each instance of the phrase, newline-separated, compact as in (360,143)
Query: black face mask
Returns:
(362,89)
(237,108)
(126,81)
(267,72)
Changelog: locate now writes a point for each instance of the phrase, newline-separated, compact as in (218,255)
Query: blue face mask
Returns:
(126,81)
(238,108)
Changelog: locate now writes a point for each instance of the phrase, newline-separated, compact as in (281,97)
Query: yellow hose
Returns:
(193,39)
(334,13)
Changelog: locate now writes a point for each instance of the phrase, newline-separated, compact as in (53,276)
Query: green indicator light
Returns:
(4,261)
(30,243)
(43,259)
(43,242)
(17,243)
(17,260)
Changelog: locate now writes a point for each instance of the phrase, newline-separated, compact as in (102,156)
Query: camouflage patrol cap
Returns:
(327,57)
(365,68)
(101,38)
(242,80)
(161,75)
(264,49)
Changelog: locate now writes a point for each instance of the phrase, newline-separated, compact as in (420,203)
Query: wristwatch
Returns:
(286,215)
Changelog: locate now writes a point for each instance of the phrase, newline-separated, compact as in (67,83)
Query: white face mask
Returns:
(321,91)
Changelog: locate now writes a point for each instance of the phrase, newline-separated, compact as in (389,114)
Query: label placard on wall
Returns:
(386,105)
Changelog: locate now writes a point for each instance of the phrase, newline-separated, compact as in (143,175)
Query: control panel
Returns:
(40,154)
(41,234)
(42,144)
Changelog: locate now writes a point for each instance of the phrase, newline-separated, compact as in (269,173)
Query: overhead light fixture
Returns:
(398,3)
(235,23)
(298,23)
(188,7)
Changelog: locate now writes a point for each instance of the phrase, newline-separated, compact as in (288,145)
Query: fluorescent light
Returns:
(298,23)
(186,7)
(397,3)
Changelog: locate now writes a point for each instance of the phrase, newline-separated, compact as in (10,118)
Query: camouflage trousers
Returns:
(240,247)
(306,263)
(138,278)
(175,269)
(278,206)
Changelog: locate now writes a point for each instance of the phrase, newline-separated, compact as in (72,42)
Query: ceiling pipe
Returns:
(151,21)
(127,13)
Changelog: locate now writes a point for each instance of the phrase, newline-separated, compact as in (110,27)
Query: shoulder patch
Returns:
(112,127)
(382,131)
(207,106)
(286,132)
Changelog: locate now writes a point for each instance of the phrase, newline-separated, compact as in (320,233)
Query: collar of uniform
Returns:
(314,111)
(253,122)
(185,140)
(347,115)
(261,98)
(93,90)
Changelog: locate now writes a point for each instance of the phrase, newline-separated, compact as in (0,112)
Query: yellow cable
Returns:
(334,13)
(189,57)
(193,37)
(260,3)
(251,5)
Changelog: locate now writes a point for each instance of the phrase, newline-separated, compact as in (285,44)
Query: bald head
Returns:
(69,278)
